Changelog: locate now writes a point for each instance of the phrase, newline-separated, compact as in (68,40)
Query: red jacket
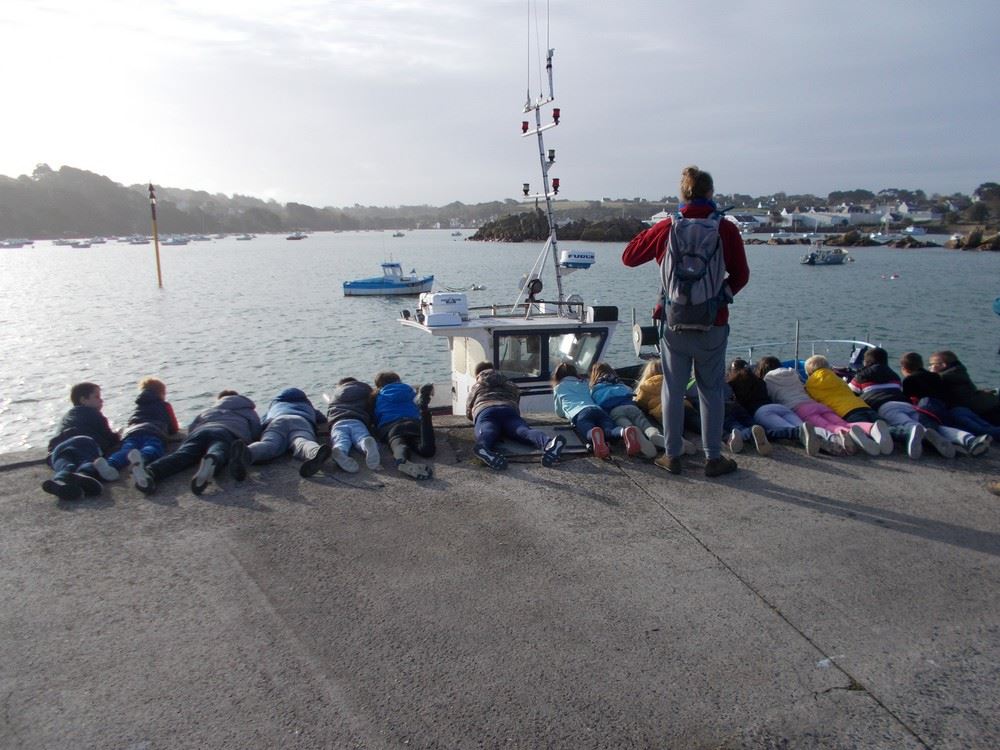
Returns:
(652,243)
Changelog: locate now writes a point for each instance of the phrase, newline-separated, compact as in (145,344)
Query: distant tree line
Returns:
(71,202)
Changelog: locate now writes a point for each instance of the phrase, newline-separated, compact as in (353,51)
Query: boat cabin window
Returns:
(532,356)
(519,356)
(579,349)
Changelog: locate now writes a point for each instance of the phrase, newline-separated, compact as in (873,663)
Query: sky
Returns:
(393,102)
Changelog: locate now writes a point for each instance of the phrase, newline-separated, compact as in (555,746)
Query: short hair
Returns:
(695,184)
(600,369)
(223,394)
(911,361)
(739,364)
(153,384)
(876,355)
(766,364)
(385,377)
(947,356)
(346,380)
(482,366)
(816,362)
(80,391)
(564,370)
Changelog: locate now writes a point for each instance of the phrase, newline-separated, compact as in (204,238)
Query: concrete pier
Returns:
(828,603)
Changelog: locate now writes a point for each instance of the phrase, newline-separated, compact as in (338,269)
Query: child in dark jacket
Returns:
(152,422)
(404,425)
(350,415)
(76,453)
(493,406)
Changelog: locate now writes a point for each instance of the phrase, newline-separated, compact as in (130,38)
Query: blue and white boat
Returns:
(391,282)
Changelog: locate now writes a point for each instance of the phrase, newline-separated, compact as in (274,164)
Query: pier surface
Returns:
(827,603)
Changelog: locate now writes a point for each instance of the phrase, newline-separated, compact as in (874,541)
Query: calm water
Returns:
(262,315)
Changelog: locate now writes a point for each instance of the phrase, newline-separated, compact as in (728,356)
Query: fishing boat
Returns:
(824,256)
(528,338)
(398,234)
(391,282)
(297,236)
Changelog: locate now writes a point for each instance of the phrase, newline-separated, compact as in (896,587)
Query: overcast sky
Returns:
(389,102)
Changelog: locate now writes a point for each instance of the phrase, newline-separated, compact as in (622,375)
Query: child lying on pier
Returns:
(350,415)
(779,422)
(493,406)
(404,425)
(290,424)
(828,388)
(150,425)
(76,453)
(573,401)
(649,398)
(618,400)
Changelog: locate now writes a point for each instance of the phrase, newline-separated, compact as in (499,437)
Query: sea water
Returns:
(258,316)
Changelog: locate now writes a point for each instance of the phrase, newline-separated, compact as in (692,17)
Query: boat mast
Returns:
(545,159)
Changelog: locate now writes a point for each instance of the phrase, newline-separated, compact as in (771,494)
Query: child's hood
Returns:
(292,395)
(397,393)
(235,403)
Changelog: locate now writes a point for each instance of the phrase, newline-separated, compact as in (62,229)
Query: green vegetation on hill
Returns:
(533,227)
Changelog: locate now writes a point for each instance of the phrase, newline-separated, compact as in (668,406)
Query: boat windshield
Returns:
(533,356)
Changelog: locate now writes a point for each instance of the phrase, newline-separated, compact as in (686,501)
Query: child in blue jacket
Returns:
(573,401)
(404,425)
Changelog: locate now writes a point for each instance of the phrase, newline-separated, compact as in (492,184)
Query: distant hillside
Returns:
(533,227)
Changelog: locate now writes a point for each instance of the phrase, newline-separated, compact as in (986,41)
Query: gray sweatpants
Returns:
(282,433)
(706,350)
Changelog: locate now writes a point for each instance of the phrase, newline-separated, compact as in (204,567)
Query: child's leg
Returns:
(151,448)
(629,415)
(75,455)
(487,430)
(367,445)
(395,437)
(426,446)
(583,423)
(273,443)
(341,436)
(119,459)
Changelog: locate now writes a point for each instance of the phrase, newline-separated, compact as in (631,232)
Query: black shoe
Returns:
(311,466)
(426,391)
(553,450)
(91,487)
(239,460)
(716,467)
(143,481)
(63,490)
(496,461)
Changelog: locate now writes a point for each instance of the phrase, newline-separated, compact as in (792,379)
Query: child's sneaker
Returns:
(810,440)
(647,446)
(845,444)
(735,441)
(239,460)
(312,465)
(491,458)
(883,436)
(344,461)
(373,459)
(205,471)
(91,487)
(135,457)
(426,391)
(104,470)
(656,437)
(915,441)
(630,435)
(597,442)
(865,443)
(143,480)
(940,443)
(980,445)
(417,471)
(63,489)
(553,450)
(760,440)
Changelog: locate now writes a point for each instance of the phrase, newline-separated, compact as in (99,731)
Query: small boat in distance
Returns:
(398,234)
(824,256)
(297,236)
(244,237)
(914,231)
(391,282)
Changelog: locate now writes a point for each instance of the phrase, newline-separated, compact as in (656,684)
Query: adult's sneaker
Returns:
(882,435)
(940,443)
(206,469)
(671,463)
(915,441)
(239,460)
(597,442)
(760,440)
(106,471)
(312,465)
(864,442)
(630,435)
(63,489)
(553,450)
(810,440)
(980,445)
(735,441)
(716,467)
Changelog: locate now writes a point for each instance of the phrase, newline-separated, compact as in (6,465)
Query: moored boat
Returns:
(297,236)
(824,256)
(391,282)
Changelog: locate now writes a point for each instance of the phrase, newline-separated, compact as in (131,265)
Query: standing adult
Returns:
(681,343)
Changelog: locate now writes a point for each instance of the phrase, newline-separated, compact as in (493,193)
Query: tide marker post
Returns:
(156,235)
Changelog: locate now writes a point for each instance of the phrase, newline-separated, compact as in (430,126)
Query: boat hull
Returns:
(378,287)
